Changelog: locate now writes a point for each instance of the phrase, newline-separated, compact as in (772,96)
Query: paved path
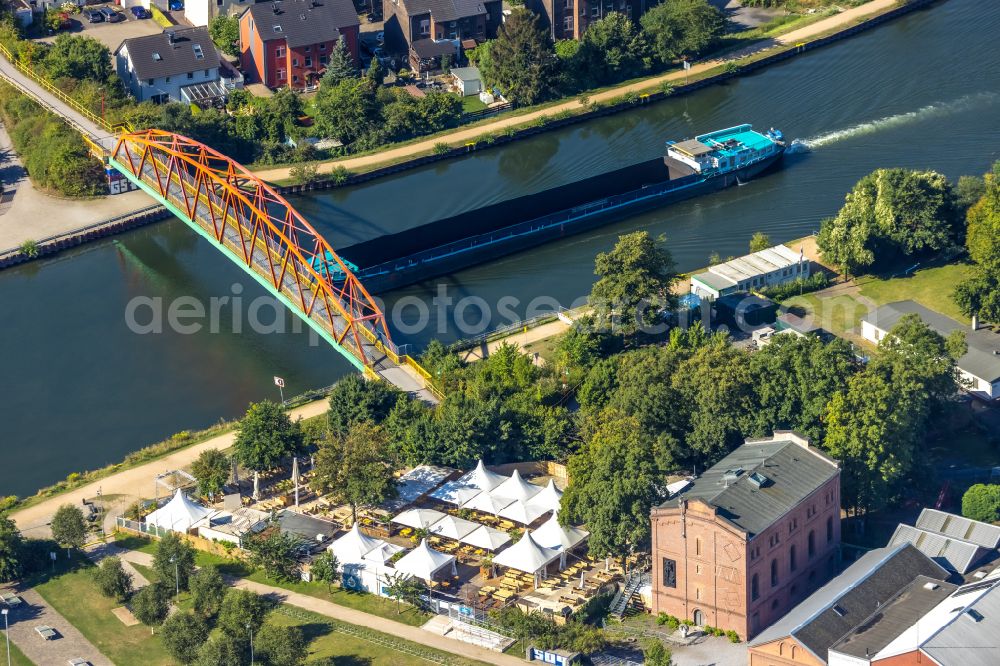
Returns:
(69,644)
(34,520)
(845,18)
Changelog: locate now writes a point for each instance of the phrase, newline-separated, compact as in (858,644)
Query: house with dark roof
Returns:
(978,369)
(178,65)
(426,30)
(862,608)
(742,543)
(289,42)
(957,543)
(569,19)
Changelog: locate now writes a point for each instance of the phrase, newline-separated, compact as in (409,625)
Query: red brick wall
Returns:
(915,658)
(251,50)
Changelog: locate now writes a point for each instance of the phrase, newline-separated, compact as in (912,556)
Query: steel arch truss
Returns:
(261,229)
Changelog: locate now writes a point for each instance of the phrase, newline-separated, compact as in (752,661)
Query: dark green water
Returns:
(79,389)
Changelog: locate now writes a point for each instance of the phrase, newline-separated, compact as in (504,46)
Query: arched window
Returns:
(754,588)
(774,573)
(829,529)
(781,648)
(792,565)
(812,543)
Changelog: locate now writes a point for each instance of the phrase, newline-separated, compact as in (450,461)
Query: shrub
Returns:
(441,148)
(29,248)
(304,174)
(816,281)
(982,502)
(733,636)
(112,579)
(340,175)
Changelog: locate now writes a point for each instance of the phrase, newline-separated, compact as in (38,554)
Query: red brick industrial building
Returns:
(743,543)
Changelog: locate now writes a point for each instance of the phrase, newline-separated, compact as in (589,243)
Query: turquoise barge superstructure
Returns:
(707,163)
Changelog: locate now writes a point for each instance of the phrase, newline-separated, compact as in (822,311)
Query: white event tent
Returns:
(528,556)
(524,513)
(180,514)
(551,534)
(548,499)
(488,503)
(353,546)
(516,489)
(418,519)
(463,489)
(451,527)
(486,538)
(382,553)
(363,560)
(423,562)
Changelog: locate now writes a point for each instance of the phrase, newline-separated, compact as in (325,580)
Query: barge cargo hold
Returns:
(707,163)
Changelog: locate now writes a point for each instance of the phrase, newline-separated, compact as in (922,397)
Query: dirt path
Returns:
(34,521)
(844,18)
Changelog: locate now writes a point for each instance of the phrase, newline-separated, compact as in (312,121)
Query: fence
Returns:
(141,527)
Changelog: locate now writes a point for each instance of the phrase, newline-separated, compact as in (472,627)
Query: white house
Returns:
(766,268)
(978,370)
(179,65)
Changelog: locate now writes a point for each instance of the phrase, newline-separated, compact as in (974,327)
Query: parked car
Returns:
(110,15)
(140,12)
(176,5)
(93,16)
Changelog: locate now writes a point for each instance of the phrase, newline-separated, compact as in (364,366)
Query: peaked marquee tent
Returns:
(516,489)
(423,562)
(557,537)
(486,538)
(528,556)
(418,519)
(549,498)
(463,489)
(180,514)
(451,527)
(353,546)
(488,503)
(524,513)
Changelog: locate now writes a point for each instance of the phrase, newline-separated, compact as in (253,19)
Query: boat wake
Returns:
(936,110)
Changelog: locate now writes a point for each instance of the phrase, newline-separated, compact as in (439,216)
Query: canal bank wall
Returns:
(633,101)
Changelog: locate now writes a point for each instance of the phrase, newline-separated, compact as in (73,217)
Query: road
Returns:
(33,521)
(459,137)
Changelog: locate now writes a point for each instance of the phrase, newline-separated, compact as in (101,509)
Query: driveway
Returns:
(710,651)
(68,643)
(109,34)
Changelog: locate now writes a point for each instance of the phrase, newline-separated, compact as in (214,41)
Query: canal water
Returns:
(85,381)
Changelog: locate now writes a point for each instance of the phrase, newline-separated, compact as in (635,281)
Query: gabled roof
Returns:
(303,22)
(526,555)
(959,527)
(983,356)
(952,554)
(551,534)
(156,56)
(843,603)
(423,561)
(445,10)
(761,481)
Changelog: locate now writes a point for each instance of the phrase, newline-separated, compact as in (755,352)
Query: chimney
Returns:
(171,37)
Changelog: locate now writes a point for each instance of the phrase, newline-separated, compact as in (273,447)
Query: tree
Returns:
(151,604)
(207,590)
(612,49)
(376,71)
(402,587)
(615,475)
(68,527)
(211,469)
(183,635)
(281,646)
(78,57)
(654,653)
(982,502)
(11,545)
(223,650)
(635,281)
(174,561)
(891,213)
(264,437)
(679,28)
(225,33)
(983,235)
(356,468)
(239,609)
(979,295)
(325,568)
(275,552)
(340,66)
(355,400)
(112,579)
(348,110)
(760,240)
(521,60)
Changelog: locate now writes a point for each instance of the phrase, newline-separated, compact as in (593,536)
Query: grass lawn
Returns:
(839,314)
(74,594)
(931,287)
(472,103)
(17,657)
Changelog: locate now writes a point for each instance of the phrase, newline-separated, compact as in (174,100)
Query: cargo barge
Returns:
(707,163)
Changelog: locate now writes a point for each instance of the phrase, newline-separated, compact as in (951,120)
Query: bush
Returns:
(29,248)
(112,579)
(733,636)
(982,502)
(304,174)
(441,148)
(340,175)
(815,282)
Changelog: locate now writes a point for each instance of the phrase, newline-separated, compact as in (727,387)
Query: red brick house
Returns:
(569,19)
(288,42)
(743,543)
(419,28)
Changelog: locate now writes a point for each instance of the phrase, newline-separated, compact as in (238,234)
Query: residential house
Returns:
(179,65)
(956,543)
(426,30)
(900,577)
(568,19)
(766,268)
(978,369)
(742,543)
(289,42)
(200,12)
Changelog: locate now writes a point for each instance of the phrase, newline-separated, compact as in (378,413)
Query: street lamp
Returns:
(6,632)
(250,629)
(177,577)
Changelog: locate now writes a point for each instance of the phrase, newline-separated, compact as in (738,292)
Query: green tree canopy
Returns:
(151,604)
(183,635)
(347,110)
(340,66)
(356,468)
(207,590)
(68,526)
(174,561)
(239,609)
(521,60)
(223,650)
(225,33)
(979,294)
(324,568)
(264,437)
(635,281)
(759,241)
(982,502)
(211,470)
(275,552)
(281,645)
(78,57)
(983,237)
(612,49)
(678,28)
(891,213)
(112,579)
(11,544)
(355,400)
